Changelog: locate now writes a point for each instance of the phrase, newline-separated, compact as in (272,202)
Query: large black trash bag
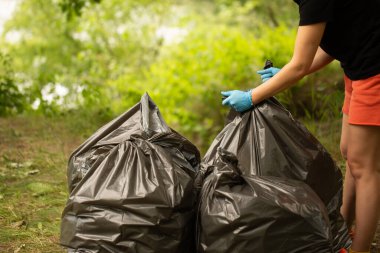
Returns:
(258,214)
(269,142)
(131,188)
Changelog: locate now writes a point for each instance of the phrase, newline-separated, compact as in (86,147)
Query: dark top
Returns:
(352,34)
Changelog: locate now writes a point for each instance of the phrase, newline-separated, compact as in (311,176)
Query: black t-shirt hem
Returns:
(362,76)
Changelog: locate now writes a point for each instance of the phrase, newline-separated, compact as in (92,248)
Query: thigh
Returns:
(344,136)
(363,148)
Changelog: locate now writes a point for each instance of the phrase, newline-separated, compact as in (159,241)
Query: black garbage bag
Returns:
(267,141)
(131,188)
(261,214)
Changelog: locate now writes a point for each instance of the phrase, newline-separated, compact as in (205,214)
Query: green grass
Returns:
(33,156)
(33,191)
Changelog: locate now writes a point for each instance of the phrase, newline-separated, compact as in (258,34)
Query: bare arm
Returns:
(301,64)
(321,59)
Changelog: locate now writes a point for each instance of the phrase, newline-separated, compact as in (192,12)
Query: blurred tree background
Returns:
(69,66)
(91,60)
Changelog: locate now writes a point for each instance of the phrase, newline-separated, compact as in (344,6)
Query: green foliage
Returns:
(186,79)
(322,96)
(273,13)
(11,99)
(74,7)
(108,53)
(80,55)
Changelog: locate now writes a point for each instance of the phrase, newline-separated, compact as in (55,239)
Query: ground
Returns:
(33,191)
(33,188)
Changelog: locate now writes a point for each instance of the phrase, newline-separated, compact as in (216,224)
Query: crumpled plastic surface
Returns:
(245,213)
(131,188)
(267,141)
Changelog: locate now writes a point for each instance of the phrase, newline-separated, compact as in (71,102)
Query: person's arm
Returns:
(302,63)
(321,59)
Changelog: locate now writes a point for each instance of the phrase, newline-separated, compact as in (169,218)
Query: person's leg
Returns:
(348,207)
(363,156)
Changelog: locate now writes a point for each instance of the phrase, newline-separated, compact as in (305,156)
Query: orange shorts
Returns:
(362,101)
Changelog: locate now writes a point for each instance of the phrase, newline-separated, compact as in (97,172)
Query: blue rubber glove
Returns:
(267,74)
(238,100)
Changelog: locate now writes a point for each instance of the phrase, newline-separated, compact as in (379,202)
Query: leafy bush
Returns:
(113,52)
(11,99)
(187,78)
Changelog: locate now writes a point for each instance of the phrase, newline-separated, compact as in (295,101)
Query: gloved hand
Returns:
(266,74)
(238,100)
